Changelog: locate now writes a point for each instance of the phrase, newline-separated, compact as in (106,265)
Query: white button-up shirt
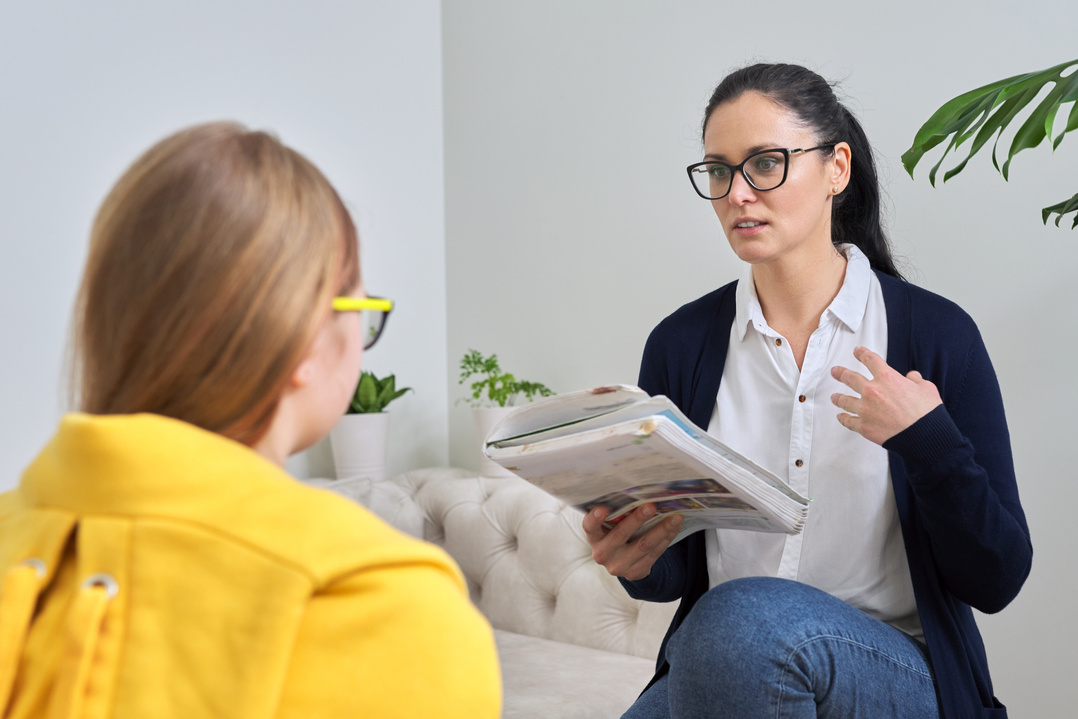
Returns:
(783,419)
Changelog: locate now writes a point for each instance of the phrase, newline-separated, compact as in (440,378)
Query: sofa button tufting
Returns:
(520,550)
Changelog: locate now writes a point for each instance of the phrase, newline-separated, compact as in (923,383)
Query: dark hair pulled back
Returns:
(855,213)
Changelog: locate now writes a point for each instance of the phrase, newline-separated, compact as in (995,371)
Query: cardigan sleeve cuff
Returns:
(930,441)
(647,588)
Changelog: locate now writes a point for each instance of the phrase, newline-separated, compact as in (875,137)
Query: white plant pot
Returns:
(359,443)
(485,419)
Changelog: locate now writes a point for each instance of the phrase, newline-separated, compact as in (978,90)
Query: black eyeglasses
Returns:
(764,170)
(374,313)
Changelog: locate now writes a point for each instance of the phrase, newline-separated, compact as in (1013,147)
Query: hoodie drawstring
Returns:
(84,624)
(18,596)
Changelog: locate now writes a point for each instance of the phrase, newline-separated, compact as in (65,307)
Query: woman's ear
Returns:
(303,374)
(313,361)
(841,162)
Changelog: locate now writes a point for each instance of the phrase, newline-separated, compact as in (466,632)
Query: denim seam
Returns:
(873,650)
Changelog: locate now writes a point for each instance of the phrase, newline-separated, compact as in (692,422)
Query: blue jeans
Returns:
(764,647)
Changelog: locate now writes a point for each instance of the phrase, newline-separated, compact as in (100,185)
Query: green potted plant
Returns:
(373,394)
(360,438)
(494,387)
(493,394)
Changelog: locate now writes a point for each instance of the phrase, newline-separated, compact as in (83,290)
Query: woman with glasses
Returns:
(156,560)
(871,396)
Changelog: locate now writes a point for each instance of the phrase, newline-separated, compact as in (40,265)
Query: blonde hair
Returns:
(211,265)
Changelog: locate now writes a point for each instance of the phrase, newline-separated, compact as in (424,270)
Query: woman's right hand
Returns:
(612,549)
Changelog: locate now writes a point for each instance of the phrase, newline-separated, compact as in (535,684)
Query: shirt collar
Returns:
(749,311)
(848,307)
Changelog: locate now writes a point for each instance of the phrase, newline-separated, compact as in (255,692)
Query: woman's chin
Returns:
(751,250)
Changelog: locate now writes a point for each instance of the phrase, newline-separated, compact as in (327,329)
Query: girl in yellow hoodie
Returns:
(156,560)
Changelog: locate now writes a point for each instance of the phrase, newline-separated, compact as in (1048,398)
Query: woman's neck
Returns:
(794,293)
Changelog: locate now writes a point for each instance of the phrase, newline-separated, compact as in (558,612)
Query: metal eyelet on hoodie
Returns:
(102,580)
(37,564)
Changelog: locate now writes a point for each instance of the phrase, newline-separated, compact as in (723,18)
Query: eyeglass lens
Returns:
(764,171)
(372,323)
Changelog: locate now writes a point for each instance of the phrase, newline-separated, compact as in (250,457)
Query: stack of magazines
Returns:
(620,448)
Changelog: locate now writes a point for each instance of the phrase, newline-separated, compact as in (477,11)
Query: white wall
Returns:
(86,87)
(572,229)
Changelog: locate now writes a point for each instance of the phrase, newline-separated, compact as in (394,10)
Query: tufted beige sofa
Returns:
(571,642)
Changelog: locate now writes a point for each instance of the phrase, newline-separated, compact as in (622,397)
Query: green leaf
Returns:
(1031,133)
(993,124)
(952,109)
(964,122)
(367,393)
(957,116)
(1006,113)
(385,392)
(1071,95)
(398,394)
(500,388)
(912,156)
(1072,124)
(1061,209)
(373,394)
(977,111)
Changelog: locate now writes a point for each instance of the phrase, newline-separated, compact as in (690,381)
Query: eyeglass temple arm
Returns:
(346,304)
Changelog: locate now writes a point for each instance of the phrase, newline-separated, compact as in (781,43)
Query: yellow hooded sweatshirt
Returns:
(151,569)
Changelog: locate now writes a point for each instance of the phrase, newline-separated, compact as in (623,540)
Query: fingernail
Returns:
(649,509)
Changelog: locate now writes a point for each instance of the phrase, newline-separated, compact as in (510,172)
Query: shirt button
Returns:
(799,463)
(778,343)
(801,398)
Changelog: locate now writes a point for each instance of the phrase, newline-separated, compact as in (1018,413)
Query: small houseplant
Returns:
(373,394)
(493,386)
(493,393)
(360,439)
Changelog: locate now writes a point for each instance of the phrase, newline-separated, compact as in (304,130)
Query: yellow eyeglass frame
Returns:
(358,304)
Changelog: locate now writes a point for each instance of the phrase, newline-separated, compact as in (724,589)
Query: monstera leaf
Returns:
(1061,209)
(977,115)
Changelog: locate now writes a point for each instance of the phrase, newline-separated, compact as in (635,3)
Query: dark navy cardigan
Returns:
(965,534)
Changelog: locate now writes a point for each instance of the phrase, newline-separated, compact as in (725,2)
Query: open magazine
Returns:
(619,447)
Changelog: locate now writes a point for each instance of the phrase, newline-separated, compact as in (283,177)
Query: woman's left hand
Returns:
(889,402)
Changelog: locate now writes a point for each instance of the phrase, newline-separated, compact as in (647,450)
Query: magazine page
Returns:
(650,406)
(701,502)
(692,438)
(693,435)
(760,488)
(564,409)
